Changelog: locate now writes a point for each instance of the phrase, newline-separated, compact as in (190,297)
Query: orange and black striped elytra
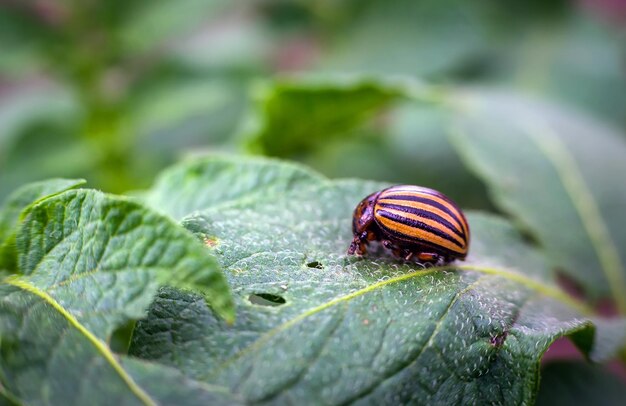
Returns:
(413,222)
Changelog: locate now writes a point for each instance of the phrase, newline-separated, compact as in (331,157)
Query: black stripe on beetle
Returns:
(418,225)
(426,215)
(427,201)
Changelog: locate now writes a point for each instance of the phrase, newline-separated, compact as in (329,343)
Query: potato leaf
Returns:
(571,382)
(89,263)
(559,174)
(49,357)
(14,205)
(316,326)
(26,195)
(88,241)
(293,117)
(379,128)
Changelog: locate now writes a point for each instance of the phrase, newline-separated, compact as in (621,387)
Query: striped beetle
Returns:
(413,222)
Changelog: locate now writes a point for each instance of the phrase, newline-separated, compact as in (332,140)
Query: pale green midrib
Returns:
(545,290)
(582,200)
(100,346)
(548,291)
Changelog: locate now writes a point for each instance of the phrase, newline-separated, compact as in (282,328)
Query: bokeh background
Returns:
(113,91)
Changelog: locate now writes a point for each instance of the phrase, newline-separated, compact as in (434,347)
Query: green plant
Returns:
(312,324)
(227,281)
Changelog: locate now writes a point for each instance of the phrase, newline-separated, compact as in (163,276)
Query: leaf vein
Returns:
(523,280)
(582,200)
(100,346)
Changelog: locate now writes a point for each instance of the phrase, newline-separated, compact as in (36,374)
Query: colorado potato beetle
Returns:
(413,222)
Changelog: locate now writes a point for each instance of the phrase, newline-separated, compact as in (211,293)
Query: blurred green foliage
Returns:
(113,91)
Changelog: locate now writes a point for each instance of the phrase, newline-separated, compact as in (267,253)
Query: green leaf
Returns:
(558,173)
(293,117)
(165,20)
(115,252)
(48,357)
(427,38)
(576,383)
(371,128)
(317,326)
(413,148)
(28,194)
(611,334)
(578,62)
(89,264)
(14,205)
(182,189)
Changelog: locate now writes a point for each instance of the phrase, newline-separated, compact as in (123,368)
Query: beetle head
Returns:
(363,216)
(363,225)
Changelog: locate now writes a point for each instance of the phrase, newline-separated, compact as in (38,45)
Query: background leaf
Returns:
(390,129)
(570,382)
(429,38)
(558,174)
(296,117)
(469,333)
(577,62)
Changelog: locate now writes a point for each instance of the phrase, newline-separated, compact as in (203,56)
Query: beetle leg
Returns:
(431,258)
(403,253)
(359,243)
(388,244)
(353,245)
(352,248)
(395,250)
(363,241)
(357,247)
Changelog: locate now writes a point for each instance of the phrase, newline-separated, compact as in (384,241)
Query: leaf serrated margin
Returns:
(23,284)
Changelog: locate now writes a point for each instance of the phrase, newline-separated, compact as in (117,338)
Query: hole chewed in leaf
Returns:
(315,264)
(266,299)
